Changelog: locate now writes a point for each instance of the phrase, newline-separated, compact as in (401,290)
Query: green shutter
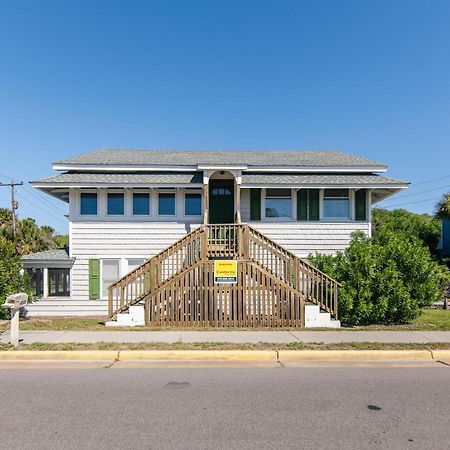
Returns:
(313,204)
(302,204)
(94,279)
(360,204)
(255,204)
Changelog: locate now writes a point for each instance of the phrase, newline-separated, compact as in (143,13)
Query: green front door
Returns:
(221,201)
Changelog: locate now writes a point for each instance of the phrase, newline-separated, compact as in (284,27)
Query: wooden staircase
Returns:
(177,285)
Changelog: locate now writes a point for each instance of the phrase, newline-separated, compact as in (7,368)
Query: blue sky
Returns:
(367,77)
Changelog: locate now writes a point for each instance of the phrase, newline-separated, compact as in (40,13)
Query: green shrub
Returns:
(400,221)
(11,279)
(386,279)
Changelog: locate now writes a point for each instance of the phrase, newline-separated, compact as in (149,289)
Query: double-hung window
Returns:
(278,203)
(336,204)
(88,203)
(115,204)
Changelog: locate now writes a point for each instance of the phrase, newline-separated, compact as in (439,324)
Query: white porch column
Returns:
(205,196)
(45,282)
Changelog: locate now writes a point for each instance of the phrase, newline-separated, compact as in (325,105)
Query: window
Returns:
(166,204)
(115,204)
(193,204)
(58,282)
(134,263)
(88,203)
(336,204)
(36,280)
(110,273)
(278,203)
(141,204)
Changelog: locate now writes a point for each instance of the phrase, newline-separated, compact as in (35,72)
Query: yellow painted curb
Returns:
(205,355)
(353,355)
(84,355)
(441,355)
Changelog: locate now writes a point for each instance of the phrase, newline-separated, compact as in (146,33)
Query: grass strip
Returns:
(225,346)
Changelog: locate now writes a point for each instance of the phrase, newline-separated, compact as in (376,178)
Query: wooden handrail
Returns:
(234,241)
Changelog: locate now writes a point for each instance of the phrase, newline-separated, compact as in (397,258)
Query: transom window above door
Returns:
(221,191)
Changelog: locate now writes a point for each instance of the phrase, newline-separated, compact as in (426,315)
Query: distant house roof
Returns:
(194,158)
(58,258)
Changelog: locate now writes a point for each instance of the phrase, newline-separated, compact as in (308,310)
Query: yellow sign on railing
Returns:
(225,271)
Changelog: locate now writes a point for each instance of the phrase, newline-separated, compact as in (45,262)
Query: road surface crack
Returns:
(109,366)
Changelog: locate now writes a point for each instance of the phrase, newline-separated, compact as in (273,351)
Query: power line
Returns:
(424,192)
(411,203)
(43,200)
(431,180)
(14,204)
(36,208)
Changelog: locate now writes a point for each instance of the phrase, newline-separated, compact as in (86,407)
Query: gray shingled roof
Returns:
(318,179)
(301,158)
(173,179)
(161,178)
(53,255)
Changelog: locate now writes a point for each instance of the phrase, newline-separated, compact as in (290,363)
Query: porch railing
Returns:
(162,274)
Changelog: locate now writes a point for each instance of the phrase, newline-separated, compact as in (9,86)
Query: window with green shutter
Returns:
(361,204)
(94,279)
(255,204)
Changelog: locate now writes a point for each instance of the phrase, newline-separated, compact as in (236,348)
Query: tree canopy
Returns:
(30,237)
(442,210)
(389,277)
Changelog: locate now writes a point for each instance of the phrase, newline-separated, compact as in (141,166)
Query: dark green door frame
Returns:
(221,201)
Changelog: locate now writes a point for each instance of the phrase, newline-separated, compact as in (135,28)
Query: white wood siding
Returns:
(245,205)
(117,240)
(304,238)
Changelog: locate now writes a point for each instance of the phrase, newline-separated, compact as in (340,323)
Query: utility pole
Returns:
(14,204)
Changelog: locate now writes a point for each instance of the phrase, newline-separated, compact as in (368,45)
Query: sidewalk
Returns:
(234,337)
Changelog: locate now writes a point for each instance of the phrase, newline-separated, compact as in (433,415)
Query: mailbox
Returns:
(16,301)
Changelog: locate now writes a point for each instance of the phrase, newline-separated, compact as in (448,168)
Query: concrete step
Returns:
(134,317)
(315,318)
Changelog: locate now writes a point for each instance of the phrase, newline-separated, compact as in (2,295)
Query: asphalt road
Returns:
(226,408)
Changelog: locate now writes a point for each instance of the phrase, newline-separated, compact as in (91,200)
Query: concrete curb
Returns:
(199,355)
(59,355)
(441,355)
(229,355)
(353,355)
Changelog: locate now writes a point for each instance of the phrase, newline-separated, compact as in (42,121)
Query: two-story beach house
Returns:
(126,206)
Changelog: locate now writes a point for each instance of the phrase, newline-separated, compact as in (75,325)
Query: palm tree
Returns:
(443,208)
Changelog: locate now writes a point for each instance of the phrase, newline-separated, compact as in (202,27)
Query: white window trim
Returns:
(150,202)
(198,192)
(115,191)
(88,191)
(166,191)
(278,219)
(104,295)
(350,217)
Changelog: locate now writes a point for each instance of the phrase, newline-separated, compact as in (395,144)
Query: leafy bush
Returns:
(400,221)
(385,279)
(11,279)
